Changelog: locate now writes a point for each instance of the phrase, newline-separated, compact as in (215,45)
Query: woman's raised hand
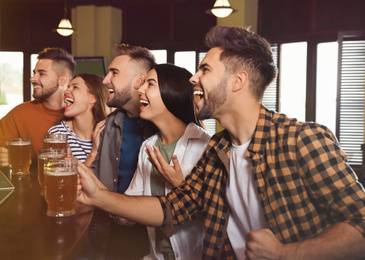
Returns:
(172,174)
(96,134)
(96,140)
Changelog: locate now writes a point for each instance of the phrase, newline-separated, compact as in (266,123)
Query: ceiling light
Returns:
(221,9)
(65,27)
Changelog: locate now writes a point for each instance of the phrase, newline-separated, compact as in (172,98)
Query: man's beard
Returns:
(45,93)
(217,97)
(120,98)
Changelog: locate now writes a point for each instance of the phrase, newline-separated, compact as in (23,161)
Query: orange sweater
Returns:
(30,119)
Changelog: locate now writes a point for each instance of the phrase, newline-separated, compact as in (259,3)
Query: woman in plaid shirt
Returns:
(270,187)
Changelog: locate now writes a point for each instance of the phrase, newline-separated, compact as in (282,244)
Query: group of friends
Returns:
(266,187)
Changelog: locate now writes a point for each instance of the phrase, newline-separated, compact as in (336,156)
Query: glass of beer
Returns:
(56,141)
(19,155)
(47,153)
(60,179)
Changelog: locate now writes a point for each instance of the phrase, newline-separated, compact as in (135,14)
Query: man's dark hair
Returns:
(245,50)
(139,54)
(63,61)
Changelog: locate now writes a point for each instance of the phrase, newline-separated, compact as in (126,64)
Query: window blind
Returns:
(350,104)
(270,96)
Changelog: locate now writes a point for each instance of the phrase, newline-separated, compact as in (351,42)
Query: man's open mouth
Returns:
(198,94)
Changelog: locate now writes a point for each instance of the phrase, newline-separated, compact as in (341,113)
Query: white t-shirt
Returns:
(246,212)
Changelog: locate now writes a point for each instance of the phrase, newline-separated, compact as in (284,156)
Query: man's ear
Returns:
(62,81)
(140,80)
(240,80)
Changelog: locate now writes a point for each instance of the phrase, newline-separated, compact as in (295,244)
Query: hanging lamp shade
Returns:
(65,27)
(221,9)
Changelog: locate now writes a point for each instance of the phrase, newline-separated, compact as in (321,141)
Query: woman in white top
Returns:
(167,103)
(85,111)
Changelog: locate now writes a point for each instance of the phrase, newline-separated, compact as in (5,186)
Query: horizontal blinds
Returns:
(270,95)
(351,106)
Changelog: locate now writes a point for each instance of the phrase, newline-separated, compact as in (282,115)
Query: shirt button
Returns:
(217,246)
(115,180)
(117,158)
(224,217)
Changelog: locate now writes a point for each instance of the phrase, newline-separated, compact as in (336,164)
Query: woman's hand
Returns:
(96,134)
(96,141)
(172,174)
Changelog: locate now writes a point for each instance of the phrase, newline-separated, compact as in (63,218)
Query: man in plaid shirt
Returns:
(269,187)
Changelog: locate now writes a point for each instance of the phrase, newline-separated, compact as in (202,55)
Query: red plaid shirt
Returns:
(301,175)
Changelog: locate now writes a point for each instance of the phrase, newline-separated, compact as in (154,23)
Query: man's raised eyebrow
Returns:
(113,69)
(40,70)
(203,65)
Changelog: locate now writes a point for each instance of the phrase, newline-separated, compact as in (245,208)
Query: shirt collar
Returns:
(261,134)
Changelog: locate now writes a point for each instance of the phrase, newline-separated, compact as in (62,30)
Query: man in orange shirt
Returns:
(51,76)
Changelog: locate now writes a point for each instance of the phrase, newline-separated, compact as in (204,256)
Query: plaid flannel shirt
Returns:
(301,176)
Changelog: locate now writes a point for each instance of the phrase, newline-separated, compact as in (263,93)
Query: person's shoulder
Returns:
(23,109)
(115,114)
(293,124)
(292,128)
(317,130)
(27,105)
(197,131)
(149,141)
(282,124)
(57,128)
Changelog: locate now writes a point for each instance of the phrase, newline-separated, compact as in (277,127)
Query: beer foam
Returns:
(20,143)
(51,155)
(55,141)
(61,173)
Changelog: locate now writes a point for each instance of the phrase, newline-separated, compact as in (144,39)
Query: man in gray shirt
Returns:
(118,149)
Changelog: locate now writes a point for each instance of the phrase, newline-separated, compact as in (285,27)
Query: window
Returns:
(350,106)
(160,56)
(292,72)
(339,88)
(326,92)
(11,81)
(186,59)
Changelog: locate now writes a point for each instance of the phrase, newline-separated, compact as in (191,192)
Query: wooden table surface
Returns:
(26,232)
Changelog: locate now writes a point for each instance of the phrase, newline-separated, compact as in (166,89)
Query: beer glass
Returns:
(47,153)
(19,155)
(60,179)
(56,141)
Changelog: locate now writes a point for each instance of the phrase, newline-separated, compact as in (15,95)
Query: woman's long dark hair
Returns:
(176,93)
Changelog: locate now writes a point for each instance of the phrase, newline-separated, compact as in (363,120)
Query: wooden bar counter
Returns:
(26,232)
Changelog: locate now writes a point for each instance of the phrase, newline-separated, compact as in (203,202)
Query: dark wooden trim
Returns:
(310,114)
